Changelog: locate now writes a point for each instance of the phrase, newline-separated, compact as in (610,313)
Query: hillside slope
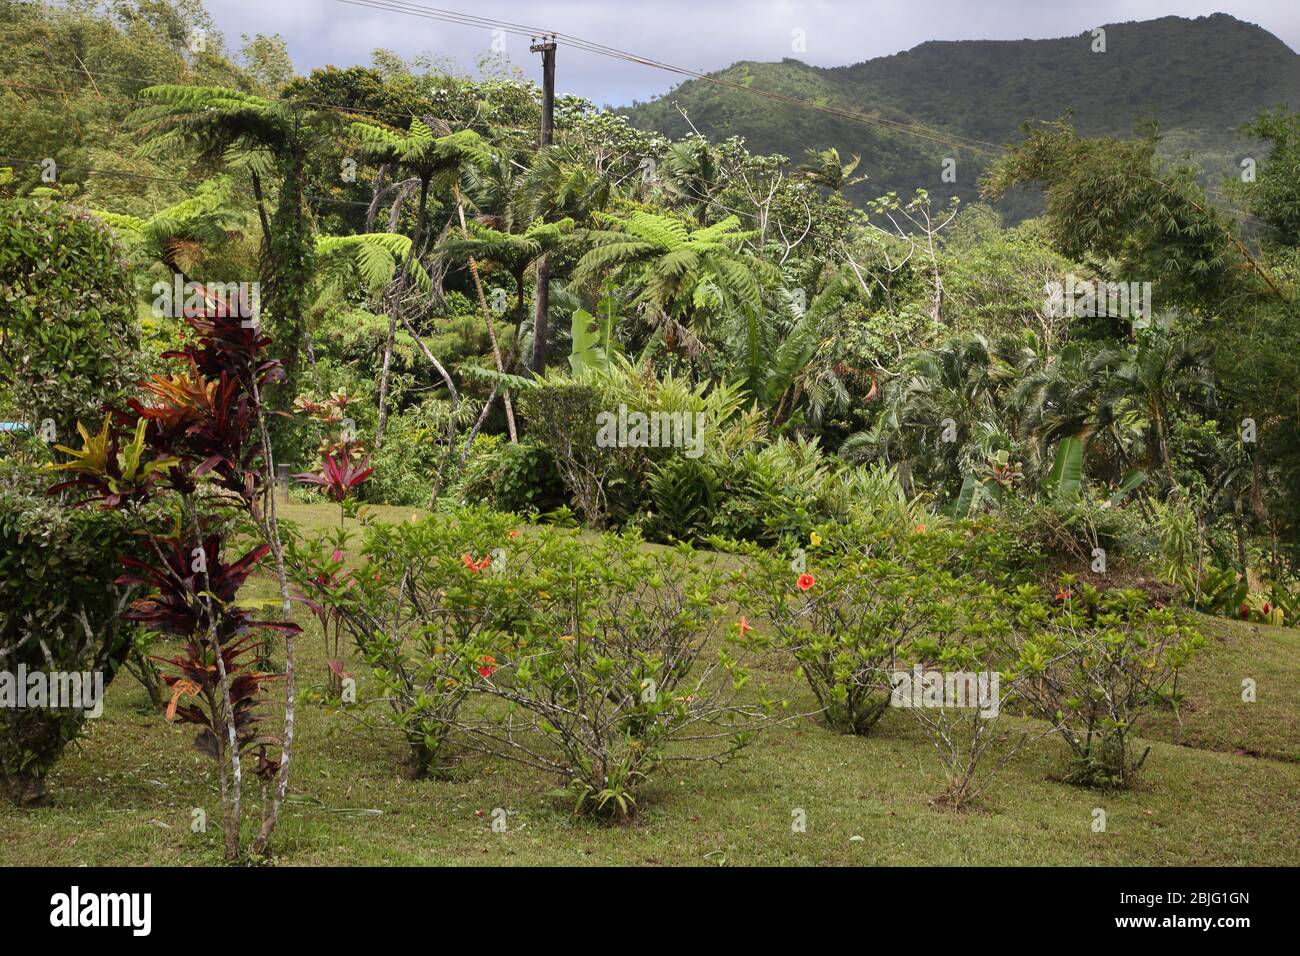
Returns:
(1200,79)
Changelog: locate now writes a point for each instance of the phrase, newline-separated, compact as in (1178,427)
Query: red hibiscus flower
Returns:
(805,582)
(744,626)
(487,665)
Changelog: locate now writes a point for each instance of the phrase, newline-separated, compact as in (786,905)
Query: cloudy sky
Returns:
(699,34)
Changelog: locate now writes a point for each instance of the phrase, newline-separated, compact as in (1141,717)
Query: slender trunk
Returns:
(271,531)
(394,306)
(261,210)
(455,407)
(541,308)
(442,478)
(487,317)
(1257,493)
(520,311)
(373,210)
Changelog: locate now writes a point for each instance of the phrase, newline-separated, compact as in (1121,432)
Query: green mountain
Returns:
(1199,79)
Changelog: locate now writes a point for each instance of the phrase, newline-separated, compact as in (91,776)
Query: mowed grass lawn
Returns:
(1221,787)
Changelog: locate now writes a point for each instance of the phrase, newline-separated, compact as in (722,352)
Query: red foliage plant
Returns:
(198,426)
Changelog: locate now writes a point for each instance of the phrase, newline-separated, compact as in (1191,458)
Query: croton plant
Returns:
(195,441)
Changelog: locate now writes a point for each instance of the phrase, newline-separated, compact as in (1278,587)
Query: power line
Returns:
(450,16)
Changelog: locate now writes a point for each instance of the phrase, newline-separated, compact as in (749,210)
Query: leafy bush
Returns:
(60,610)
(1064,536)
(563,414)
(69,328)
(507,476)
(850,620)
(406,464)
(426,601)
(611,674)
(1090,662)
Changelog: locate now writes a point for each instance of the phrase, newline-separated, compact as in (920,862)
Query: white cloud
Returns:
(698,34)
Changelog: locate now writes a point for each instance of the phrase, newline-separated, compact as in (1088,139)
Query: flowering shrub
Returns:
(848,621)
(611,673)
(1089,662)
(423,608)
(583,656)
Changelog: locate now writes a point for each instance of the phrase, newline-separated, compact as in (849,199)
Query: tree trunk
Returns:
(542,305)
(394,304)
(487,317)
(373,210)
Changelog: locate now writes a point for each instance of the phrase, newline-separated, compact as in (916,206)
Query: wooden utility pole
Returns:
(542,295)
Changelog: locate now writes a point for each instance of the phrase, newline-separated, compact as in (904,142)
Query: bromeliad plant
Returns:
(345,465)
(196,444)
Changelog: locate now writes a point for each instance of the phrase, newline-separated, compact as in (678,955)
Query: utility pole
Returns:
(542,296)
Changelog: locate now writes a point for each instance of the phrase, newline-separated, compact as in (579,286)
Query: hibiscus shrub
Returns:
(422,606)
(1090,662)
(848,620)
(585,656)
(613,671)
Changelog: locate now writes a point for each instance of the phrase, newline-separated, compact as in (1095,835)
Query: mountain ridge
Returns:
(1151,70)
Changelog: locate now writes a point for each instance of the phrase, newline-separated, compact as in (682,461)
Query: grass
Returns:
(1219,789)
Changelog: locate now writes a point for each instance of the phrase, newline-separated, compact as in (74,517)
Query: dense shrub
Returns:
(68,325)
(1067,533)
(585,656)
(408,460)
(563,416)
(60,610)
(1090,663)
(507,476)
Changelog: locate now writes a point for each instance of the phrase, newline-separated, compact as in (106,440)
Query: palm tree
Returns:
(1157,376)
(562,183)
(1068,394)
(439,162)
(944,412)
(681,275)
(823,168)
(691,173)
(260,135)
